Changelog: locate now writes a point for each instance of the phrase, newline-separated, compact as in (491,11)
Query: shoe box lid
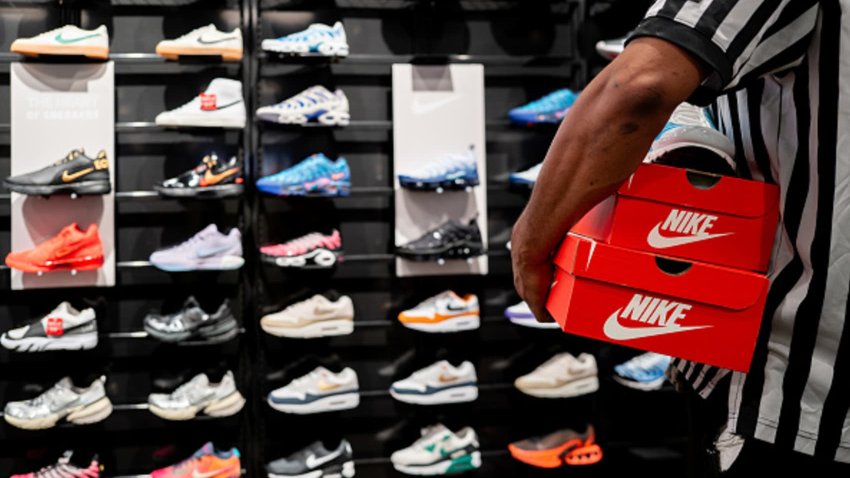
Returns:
(696,311)
(690,215)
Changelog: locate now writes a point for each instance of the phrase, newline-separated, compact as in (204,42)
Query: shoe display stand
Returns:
(526,48)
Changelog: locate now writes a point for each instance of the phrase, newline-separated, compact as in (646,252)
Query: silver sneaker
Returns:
(78,405)
(198,395)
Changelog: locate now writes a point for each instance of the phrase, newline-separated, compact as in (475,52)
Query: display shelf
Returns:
(141,334)
(135,63)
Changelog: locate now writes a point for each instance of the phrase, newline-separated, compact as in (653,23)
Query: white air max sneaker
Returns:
(319,391)
(438,383)
(439,452)
(78,405)
(65,328)
(317,316)
(67,40)
(318,39)
(445,312)
(204,41)
(198,395)
(315,104)
(220,106)
(561,376)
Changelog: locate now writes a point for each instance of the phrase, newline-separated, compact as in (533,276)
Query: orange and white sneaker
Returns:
(563,447)
(71,249)
(67,40)
(445,312)
(207,462)
(204,41)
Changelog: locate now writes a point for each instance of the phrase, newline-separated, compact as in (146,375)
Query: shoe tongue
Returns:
(191,302)
(65,383)
(207,449)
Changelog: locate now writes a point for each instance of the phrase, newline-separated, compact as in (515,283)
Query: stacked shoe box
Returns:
(673,263)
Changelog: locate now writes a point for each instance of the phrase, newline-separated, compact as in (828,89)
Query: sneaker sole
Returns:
(221,191)
(82,188)
(452,252)
(43,344)
(174,53)
(97,52)
(323,328)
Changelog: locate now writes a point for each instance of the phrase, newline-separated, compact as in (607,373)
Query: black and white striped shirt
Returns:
(780,89)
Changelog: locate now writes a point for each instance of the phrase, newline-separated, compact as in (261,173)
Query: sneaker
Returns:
(67,40)
(315,317)
(208,462)
(208,179)
(72,249)
(315,104)
(525,179)
(316,175)
(315,461)
(439,452)
(77,405)
(610,49)
(209,249)
(319,391)
(520,314)
(65,328)
(451,240)
(563,447)
(204,41)
(444,312)
(550,109)
(198,395)
(691,140)
(192,324)
(317,39)
(65,469)
(437,384)
(645,372)
(449,172)
(562,376)
(312,250)
(76,173)
(220,106)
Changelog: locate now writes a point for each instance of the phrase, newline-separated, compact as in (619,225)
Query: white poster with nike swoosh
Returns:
(438,110)
(57,108)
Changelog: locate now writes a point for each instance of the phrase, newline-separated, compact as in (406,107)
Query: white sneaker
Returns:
(437,384)
(65,328)
(201,41)
(439,452)
(317,39)
(315,104)
(319,391)
(198,395)
(221,105)
(315,317)
(78,405)
(446,312)
(67,40)
(520,314)
(561,376)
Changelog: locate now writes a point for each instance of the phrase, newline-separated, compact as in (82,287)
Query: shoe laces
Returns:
(72,155)
(305,305)
(688,114)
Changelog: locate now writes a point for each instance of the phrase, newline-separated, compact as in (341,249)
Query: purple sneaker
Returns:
(520,314)
(206,250)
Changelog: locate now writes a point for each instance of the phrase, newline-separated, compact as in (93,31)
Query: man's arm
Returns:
(601,142)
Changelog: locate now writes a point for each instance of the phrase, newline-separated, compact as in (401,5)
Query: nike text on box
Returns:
(689,215)
(696,311)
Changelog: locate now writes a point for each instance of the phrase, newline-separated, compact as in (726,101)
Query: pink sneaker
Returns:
(65,469)
(314,249)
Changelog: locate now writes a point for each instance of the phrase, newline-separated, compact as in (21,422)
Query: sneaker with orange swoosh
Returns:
(76,173)
(207,462)
(445,312)
(211,178)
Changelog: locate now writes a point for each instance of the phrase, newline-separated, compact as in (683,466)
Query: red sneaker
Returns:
(71,249)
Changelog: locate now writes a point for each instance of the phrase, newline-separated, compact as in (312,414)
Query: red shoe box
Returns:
(690,215)
(696,311)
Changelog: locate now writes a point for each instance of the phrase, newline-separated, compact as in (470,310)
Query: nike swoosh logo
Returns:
(204,253)
(228,105)
(68,177)
(327,387)
(210,474)
(424,107)
(210,179)
(613,329)
(213,42)
(455,309)
(447,379)
(314,462)
(66,41)
(658,241)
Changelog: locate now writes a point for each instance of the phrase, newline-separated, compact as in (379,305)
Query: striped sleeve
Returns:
(735,40)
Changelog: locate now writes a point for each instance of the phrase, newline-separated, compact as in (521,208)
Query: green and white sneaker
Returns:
(439,452)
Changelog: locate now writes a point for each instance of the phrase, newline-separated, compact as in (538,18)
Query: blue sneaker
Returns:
(316,104)
(316,175)
(525,179)
(451,171)
(691,140)
(550,109)
(644,372)
(318,39)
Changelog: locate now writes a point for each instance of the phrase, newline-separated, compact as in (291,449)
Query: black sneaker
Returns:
(315,458)
(191,324)
(74,174)
(210,178)
(451,240)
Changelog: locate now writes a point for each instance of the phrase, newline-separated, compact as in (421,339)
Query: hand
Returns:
(533,270)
